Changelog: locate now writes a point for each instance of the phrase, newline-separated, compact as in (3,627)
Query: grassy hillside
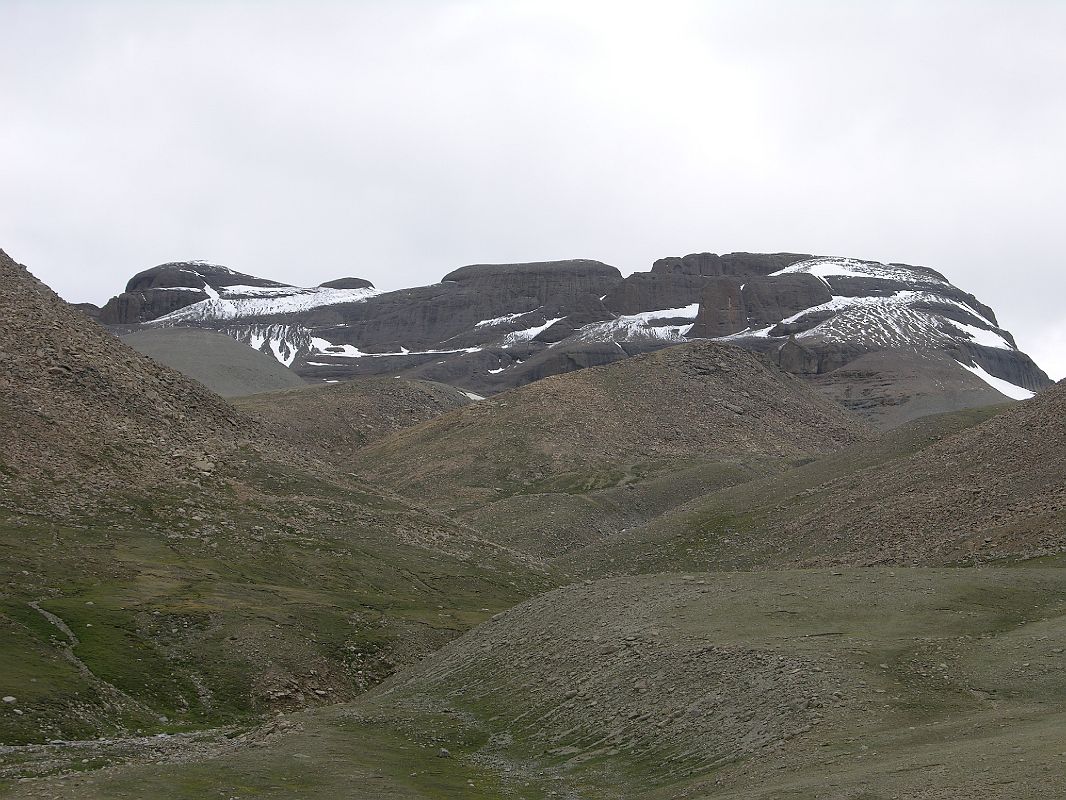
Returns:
(875,683)
(750,525)
(206,618)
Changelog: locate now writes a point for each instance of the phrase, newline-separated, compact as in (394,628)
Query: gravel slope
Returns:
(219,362)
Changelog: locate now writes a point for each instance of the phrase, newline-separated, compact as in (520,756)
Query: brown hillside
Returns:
(336,419)
(696,400)
(998,489)
(83,415)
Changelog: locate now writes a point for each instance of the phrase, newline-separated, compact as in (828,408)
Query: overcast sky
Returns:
(397,140)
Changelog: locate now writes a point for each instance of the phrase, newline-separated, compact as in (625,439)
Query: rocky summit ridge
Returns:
(491,327)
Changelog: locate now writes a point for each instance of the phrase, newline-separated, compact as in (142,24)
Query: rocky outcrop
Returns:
(91,310)
(131,308)
(552,284)
(818,315)
(647,291)
(797,359)
(722,310)
(193,275)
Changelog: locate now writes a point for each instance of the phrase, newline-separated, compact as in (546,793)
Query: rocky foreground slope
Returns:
(491,327)
(84,415)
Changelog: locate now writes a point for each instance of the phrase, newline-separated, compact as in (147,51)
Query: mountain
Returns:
(175,285)
(387,588)
(491,327)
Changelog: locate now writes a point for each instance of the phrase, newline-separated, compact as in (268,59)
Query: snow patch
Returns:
(983,336)
(627,327)
(1003,387)
(323,347)
(906,318)
(835,267)
(243,302)
(529,334)
(492,323)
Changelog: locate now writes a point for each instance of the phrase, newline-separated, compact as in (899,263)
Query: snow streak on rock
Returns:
(244,302)
(668,324)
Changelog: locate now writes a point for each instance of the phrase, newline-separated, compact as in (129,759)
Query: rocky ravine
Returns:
(489,327)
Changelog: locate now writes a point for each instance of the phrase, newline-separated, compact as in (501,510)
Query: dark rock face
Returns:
(643,291)
(739,265)
(452,314)
(730,305)
(768,300)
(722,311)
(91,310)
(555,284)
(348,283)
(130,308)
